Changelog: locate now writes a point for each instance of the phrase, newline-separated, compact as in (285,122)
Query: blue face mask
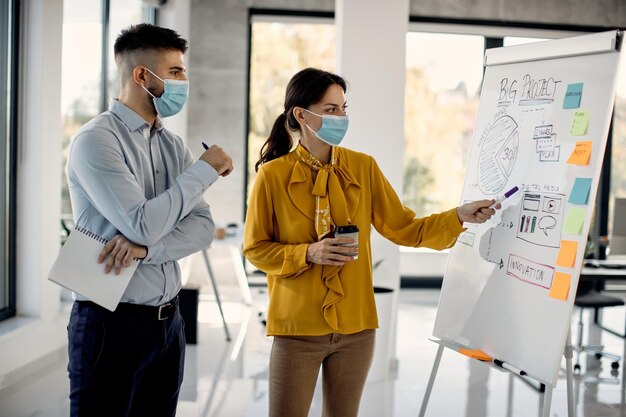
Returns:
(174,97)
(333,128)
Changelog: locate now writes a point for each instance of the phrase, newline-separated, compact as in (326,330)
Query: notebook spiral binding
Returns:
(91,235)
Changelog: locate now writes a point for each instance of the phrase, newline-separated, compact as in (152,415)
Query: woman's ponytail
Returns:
(278,144)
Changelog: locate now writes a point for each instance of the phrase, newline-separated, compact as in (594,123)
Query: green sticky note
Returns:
(580,191)
(574,221)
(572,96)
(580,123)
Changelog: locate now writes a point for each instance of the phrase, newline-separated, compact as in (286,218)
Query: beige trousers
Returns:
(294,366)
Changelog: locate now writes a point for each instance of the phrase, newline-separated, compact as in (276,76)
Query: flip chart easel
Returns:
(545,390)
(542,126)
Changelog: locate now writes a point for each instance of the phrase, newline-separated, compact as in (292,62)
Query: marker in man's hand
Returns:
(503,197)
(206,147)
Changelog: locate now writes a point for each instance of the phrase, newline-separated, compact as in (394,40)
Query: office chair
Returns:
(588,297)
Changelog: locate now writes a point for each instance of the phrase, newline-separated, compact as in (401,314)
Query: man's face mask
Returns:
(174,97)
(333,128)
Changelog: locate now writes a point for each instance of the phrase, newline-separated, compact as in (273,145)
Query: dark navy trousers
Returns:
(127,363)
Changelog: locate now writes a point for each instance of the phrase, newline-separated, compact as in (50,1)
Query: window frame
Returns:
(279,16)
(12,157)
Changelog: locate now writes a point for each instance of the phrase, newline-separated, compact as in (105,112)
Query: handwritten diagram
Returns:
(541,219)
(545,143)
(530,271)
(498,153)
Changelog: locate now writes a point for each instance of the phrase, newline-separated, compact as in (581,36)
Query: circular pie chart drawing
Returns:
(497,156)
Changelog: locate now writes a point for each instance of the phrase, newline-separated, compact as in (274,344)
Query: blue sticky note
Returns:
(580,191)
(573,95)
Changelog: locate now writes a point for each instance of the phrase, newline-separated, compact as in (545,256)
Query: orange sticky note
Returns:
(475,354)
(581,153)
(560,286)
(567,253)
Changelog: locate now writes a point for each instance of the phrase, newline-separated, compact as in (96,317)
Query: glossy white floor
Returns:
(230,379)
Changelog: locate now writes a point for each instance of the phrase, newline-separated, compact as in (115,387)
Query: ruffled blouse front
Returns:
(287,211)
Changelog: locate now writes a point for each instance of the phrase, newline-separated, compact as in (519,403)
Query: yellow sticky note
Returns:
(580,123)
(567,253)
(581,153)
(560,286)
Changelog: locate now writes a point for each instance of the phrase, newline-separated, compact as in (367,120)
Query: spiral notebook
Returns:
(77,269)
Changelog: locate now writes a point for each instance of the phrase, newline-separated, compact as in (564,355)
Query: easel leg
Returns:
(431,381)
(240,273)
(546,401)
(205,255)
(571,408)
(509,403)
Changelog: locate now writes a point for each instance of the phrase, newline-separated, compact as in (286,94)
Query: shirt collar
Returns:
(130,118)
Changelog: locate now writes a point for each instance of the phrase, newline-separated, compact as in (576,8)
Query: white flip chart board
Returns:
(542,126)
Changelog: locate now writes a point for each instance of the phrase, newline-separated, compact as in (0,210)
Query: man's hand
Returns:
(476,211)
(326,251)
(119,253)
(218,159)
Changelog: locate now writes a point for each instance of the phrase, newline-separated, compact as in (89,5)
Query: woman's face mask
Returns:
(174,97)
(333,128)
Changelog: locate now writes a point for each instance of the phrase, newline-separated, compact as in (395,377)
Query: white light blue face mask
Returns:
(174,97)
(333,128)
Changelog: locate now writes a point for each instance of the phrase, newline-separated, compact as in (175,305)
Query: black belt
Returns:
(163,312)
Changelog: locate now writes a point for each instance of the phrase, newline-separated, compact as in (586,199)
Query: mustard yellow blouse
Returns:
(280,224)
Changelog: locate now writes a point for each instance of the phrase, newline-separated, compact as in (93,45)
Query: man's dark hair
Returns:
(145,36)
(140,45)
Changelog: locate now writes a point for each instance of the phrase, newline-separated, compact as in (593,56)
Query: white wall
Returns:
(39,329)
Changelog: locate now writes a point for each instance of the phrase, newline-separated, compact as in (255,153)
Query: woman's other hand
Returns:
(329,252)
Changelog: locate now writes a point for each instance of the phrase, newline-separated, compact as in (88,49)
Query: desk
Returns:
(599,276)
(602,274)
(605,270)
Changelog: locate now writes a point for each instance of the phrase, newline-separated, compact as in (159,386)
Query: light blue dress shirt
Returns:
(125,178)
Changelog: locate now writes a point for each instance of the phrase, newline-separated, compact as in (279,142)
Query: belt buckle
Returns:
(161,307)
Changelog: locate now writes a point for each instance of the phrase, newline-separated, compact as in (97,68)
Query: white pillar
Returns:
(39,161)
(371,43)
(371,38)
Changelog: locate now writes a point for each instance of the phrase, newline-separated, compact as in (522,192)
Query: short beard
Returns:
(151,99)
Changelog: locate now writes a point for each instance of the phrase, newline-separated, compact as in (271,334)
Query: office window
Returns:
(89,76)
(441,104)
(277,51)
(80,77)
(8,105)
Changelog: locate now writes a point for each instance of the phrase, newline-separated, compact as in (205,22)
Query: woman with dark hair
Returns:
(322,310)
